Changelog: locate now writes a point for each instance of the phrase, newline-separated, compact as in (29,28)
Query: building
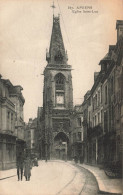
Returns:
(102,109)
(76,134)
(31,136)
(11,131)
(57,96)
(40,133)
(18,100)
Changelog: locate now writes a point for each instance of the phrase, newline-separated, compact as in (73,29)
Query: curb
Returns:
(7,177)
(100,191)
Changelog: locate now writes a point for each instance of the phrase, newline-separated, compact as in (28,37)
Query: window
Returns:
(11,121)
(106,93)
(79,136)
(101,95)
(98,117)
(105,121)
(59,82)
(98,98)
(93,104)
(33,144)
(79,122)
(95,120)
(112,85)
(74,137)
(12,116)
(101,116)
(8,115)
(89,123)
(96,101)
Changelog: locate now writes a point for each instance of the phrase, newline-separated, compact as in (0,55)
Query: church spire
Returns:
(56,54)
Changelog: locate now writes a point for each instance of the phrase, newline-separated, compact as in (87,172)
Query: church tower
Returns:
(57,96)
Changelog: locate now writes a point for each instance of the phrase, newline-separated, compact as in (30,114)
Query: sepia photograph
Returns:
(61,97)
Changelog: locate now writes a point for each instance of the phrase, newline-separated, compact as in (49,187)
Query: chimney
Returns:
(18,88)
(95,75)
(119,27)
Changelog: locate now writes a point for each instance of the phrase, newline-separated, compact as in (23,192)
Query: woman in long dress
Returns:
(27,168)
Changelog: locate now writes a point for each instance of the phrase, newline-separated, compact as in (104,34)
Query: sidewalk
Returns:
(4,174)
(105,184)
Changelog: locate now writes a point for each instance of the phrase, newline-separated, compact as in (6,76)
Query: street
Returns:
(52,178)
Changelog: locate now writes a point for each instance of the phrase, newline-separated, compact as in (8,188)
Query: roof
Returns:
(78,108)
(57,54)
(107,57)
(7,82)
(119,22)
(32,123)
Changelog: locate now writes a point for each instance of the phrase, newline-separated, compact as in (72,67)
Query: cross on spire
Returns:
(53,7)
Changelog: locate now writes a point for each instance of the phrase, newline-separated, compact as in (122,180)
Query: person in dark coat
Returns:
(27,168)
(19,163)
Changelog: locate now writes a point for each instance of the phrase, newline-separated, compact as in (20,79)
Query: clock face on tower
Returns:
(60,99)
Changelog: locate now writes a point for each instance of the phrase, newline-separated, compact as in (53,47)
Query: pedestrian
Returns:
(35,161)
(46,159)
(27,168)
(19,163)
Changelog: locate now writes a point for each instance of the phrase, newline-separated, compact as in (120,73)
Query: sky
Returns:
(88,28)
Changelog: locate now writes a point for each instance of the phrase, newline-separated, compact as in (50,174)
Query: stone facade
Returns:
(57,97)
(30,136)
(40,133)
(18,100)
(76,134)
(102,109)
(8,118)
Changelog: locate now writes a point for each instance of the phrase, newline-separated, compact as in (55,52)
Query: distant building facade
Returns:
(30,136)
(76,134)
(9,136)
(40,133)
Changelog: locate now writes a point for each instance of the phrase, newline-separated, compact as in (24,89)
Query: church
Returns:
(57,99)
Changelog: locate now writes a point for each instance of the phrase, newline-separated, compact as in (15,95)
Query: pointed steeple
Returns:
(56,54)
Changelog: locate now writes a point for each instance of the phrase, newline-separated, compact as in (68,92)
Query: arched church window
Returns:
(60,90)
(59,82)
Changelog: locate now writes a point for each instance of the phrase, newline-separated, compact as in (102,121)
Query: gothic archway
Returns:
(61,146)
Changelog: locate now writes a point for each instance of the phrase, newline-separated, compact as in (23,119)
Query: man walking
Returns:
(20,162)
